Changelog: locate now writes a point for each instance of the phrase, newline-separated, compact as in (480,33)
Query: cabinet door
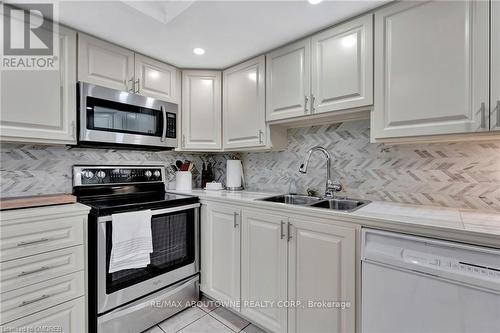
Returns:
(431,68)
(263,269)
(288,78)
(321,268)
(495,66)
(244,105)
(201,110)
(155,79)
(40,105)
(105,64)
(220,252)
(342,66)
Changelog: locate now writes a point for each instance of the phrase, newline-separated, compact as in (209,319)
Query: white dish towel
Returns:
(132,241)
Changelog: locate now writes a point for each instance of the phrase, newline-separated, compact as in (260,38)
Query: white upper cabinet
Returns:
(40,105)
(201,110)
(495,66)
(431,68)
(220,252)
(288,79)
(334,279)
(244,116)
(155,79)
(342,66)
(105,64)
(264,268)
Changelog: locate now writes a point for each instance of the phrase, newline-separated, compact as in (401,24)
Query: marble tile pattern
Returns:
(458,175)
(36,169)
(205,317)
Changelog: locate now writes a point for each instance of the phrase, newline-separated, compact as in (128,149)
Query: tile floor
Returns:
(205,318)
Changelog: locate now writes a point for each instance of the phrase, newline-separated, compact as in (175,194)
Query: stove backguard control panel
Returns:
(100,175)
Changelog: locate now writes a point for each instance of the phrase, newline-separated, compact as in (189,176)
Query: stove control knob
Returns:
(157,173)
(148,173)
(87,174)
(100,174)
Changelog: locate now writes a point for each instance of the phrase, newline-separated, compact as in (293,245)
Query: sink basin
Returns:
(293,199)
(341,204)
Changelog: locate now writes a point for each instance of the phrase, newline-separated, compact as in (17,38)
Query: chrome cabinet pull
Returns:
(235,221)
(132,82)
(498,113)
(282,229)
(306,99)
(260,137)
(184,141)
(289,231)
(164,131)
(41,240)
(138,82)
(73,129)
(313,99)
(483,115)
(24,303)
(41,269)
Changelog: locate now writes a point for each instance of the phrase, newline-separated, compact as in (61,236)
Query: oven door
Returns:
(109,116)
(175,256)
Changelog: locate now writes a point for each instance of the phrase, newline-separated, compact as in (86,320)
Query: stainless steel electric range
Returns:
(132,300)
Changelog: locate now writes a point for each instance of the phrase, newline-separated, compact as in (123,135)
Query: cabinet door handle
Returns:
(483,115)
(41,240)
(132,82)
(24,303)
(41,269)
(313,100)
(282,229)
(306,99)
(235,221)
(183,141)
(260,137)
(289,231)
(73,129)
(498,113)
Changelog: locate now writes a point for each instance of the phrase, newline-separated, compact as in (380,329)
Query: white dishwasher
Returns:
(418,284)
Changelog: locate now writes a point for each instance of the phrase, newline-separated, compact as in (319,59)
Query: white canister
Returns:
(183,181)
(234,174)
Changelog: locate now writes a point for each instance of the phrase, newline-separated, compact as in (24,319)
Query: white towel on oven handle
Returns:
(132,241)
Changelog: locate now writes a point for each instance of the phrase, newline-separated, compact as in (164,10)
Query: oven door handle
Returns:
(154,212)
(164,132)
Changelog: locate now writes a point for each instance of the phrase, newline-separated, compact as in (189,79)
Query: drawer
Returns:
(68,317)
(22,272)
(25,301)
(26,238)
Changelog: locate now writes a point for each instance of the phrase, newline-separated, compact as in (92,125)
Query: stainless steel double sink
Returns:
(340,204)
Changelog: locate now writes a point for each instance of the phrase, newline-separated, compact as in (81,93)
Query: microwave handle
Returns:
(164,132)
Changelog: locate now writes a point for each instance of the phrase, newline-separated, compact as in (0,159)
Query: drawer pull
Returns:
(41,240)
(41,269)
(24,303)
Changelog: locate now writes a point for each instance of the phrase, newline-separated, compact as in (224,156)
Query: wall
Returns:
(35,169)
(465,175)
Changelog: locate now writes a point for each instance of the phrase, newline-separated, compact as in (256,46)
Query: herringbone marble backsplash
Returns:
(464,175)
(33,169)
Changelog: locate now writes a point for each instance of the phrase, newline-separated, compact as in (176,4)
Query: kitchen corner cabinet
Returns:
(264,268)
(220,252)
(244,116)
(108,65)
(288,81)
(342,66)
(431,68)
(321,267)
(201,110)
(495,66)
(39,106)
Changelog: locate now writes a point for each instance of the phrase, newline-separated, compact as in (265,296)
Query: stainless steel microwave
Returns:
(109,117)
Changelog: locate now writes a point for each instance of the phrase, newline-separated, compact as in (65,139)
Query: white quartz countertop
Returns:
(430,219)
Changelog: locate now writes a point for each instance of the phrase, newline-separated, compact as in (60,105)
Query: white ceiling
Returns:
(229,31)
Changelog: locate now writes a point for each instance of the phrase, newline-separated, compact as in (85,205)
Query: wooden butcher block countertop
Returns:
(36,201)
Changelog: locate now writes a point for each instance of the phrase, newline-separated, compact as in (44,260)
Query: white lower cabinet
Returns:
(220,252)
(264,269)
(284,259)
(321,275)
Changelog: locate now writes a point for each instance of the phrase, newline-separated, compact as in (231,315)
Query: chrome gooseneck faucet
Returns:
(331,187)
